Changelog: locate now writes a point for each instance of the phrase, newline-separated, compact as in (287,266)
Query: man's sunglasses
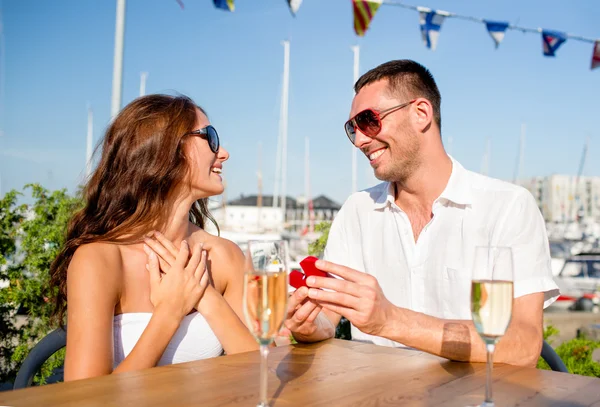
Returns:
(210,134)
(369,121)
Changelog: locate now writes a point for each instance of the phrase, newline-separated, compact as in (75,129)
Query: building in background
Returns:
(565,198)
(246,215)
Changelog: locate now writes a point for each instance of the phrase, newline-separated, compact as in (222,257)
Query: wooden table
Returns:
(331,373)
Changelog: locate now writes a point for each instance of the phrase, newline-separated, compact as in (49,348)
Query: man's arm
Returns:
(458,339)
(359,298)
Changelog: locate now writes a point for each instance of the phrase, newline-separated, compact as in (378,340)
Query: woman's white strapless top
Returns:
(193,340)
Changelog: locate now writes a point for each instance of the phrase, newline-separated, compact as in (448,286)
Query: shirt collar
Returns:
(386,195)
(457,190)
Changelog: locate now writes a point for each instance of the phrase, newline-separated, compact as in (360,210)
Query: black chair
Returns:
(552,358)
(48,346)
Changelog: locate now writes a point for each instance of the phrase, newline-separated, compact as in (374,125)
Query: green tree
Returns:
(30,239)
(11,215)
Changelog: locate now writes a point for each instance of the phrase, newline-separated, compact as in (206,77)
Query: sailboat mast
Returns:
(259,198)
(2,74)
(306,181)
(485,161)
(117,85)
(143,78)
(277,170)
(579,174)
(89,143)
(521,156)
(356,51)
(284,123)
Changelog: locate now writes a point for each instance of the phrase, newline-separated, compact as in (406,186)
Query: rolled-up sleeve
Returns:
(526,234)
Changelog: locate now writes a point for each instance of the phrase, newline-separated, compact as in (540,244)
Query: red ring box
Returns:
(297,279)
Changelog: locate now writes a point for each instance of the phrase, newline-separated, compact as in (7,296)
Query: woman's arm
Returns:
(224,313)
(93,289)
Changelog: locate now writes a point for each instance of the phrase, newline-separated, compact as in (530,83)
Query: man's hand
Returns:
(305,320)
(358,297)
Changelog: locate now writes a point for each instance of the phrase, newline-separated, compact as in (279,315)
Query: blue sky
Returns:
(59,57)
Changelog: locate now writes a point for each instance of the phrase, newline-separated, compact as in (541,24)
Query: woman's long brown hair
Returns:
(132,188)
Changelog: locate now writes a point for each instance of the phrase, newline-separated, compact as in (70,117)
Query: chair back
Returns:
(552,358)
(41,352)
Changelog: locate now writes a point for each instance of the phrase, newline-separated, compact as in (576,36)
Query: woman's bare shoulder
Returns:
(219,244)
(96,261)
(223,252)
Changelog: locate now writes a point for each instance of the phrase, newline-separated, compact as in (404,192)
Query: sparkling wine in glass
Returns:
(491,301)
(265,298)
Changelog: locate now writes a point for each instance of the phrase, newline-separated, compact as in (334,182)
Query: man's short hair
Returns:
(407,78)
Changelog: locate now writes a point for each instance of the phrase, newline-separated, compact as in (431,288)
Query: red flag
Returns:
(596,55)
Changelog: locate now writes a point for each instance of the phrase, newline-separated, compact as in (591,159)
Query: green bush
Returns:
(576,354)
(317,247)
(30,238)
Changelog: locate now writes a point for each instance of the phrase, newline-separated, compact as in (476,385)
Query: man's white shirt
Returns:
(433,275)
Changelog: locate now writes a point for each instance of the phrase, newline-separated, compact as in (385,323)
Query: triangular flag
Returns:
(551,40)
(294,5)
(497,29)
(596,55)
(431,23)
(364,11)
(225,5)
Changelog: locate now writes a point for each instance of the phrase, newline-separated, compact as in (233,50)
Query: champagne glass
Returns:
(491,301)
(265,298)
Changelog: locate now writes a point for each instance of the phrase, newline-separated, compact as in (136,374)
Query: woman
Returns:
(127,308)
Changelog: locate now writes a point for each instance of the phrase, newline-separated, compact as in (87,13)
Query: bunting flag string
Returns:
(431,21)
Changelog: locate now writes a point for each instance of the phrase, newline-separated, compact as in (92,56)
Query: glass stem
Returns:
(264,352)
(488,378)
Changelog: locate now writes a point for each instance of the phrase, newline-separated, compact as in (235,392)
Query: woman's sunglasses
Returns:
(369,121)
(210,134)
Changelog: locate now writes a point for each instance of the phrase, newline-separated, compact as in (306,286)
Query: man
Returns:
(404,249)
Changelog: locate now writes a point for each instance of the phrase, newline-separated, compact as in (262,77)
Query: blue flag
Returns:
(224,4)
(551,40)
(431,23)
(496,30)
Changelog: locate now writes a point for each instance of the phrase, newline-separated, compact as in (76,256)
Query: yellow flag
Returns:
(364,11)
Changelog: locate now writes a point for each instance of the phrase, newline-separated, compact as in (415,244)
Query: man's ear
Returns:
(423,114)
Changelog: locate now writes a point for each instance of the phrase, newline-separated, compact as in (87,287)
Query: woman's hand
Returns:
(167,253)
(180,289)
(215,307)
